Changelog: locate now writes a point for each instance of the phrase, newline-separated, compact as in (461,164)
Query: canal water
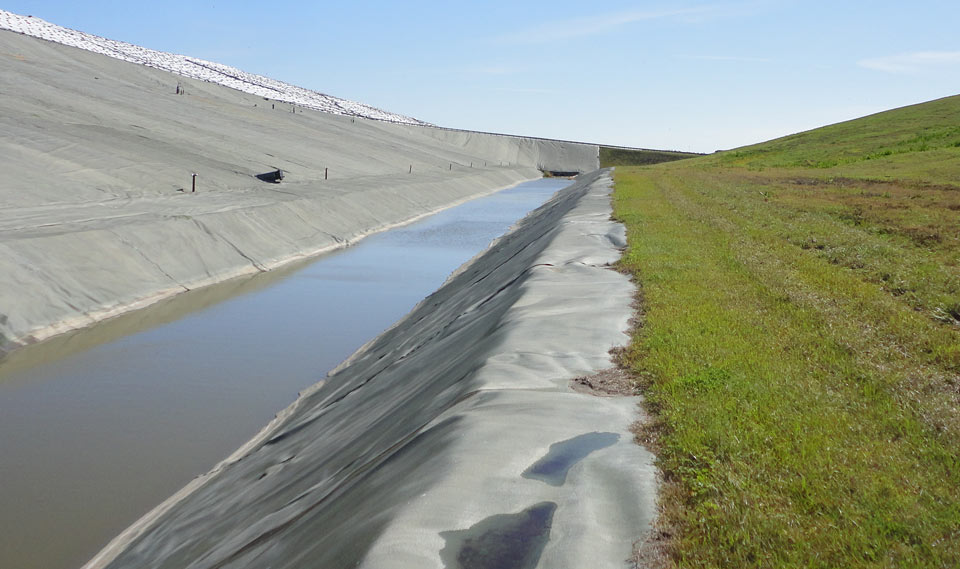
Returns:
(98,426)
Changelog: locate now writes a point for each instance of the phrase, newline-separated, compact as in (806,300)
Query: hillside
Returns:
(917,143)
(616,156)
(800,344)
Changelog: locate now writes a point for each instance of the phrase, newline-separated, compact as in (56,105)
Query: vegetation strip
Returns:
(799,344)
(613,156)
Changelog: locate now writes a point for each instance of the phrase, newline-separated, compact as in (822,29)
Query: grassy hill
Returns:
(799,344)
(613,156)
(917,142)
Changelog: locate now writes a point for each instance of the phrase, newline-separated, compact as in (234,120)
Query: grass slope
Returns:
(799,344)
(630,157)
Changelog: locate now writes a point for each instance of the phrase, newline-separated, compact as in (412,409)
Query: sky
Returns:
(697,76)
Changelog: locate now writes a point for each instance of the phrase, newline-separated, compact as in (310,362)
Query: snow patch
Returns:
(194,68)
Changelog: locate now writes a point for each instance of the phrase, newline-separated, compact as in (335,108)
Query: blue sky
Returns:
(679,75)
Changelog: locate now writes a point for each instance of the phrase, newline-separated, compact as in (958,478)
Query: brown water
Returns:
(98,426)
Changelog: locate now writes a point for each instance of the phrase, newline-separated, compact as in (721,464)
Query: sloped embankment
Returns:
(98,215)
(447,435)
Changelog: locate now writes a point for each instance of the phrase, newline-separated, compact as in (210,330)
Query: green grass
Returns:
(629,157)
(917,142)
(799,345)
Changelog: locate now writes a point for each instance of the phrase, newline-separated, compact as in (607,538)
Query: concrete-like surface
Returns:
(92,441)
(418,444)
(96,211)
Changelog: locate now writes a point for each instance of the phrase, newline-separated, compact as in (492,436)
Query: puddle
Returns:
(102,424)
(553,467)
(504,541)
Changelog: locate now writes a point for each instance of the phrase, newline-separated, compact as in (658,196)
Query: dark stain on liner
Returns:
(503,541)
(553,467)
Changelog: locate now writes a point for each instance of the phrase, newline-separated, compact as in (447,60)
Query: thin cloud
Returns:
(491,70)
(568,29)
(912,62)
(467,70)
(744,59)
(533,90)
